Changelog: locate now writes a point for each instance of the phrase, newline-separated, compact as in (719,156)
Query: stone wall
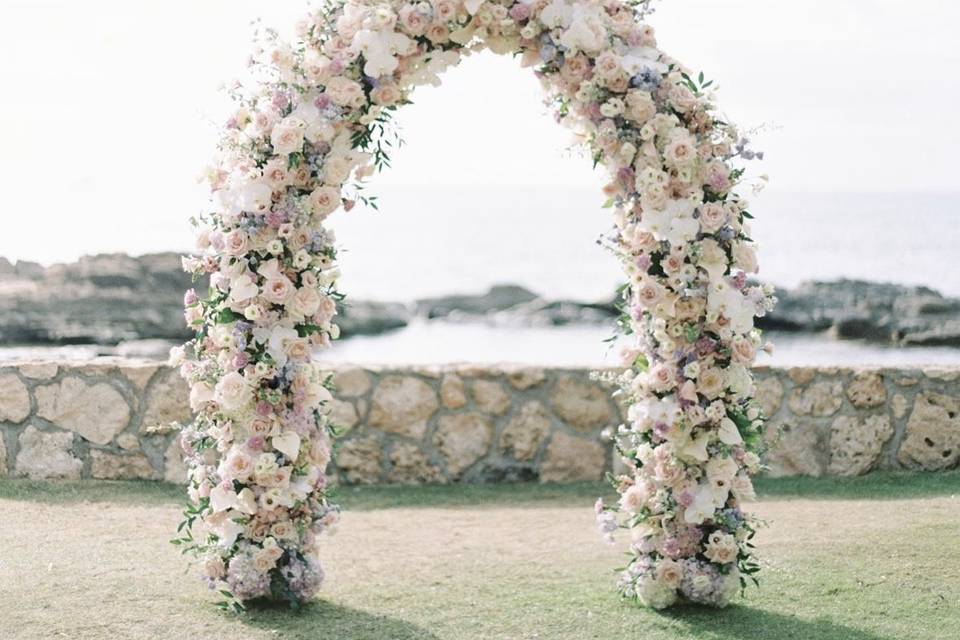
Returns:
(111,418)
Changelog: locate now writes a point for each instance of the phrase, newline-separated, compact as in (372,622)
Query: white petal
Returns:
(247,502)
(221,499)
(729,434)
(697,449)
(288,444)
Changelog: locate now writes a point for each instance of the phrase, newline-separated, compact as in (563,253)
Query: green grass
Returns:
(875,486)
(873,558)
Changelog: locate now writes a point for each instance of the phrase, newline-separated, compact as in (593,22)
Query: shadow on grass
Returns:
(874,486)
(322,620)
(740,622)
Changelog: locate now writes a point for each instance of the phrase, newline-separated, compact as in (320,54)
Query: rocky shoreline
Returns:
(113,299)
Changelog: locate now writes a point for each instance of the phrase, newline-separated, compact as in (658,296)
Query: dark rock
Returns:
(499,297)
(854,309)
(371,318)
(104,299)
(546,313)
(862,326)
(945,335)
(113,299)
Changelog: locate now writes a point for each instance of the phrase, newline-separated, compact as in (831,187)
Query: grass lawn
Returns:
(872,558)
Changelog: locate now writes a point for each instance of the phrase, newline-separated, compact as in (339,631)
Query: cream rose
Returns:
(305,302)
(669,573)
(324,201)
(278,290)
(287,136)
(236,242)
(712,217)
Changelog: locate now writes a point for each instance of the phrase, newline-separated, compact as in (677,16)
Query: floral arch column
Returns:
(311,123)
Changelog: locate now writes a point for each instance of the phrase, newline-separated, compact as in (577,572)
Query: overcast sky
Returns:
(109,107)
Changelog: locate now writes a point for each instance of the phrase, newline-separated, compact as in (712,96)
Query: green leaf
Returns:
(304,330)
(226,316)
(641,363)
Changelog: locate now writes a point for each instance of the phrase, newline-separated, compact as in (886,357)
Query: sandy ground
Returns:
(106,570)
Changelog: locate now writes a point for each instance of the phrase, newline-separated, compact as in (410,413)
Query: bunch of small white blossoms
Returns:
(312,123)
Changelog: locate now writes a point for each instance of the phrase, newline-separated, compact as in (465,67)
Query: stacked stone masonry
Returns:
(116,419)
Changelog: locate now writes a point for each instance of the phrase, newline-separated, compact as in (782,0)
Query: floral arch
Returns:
(311,124)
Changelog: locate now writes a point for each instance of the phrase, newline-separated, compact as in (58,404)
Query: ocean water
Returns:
(438,342)
(428,241)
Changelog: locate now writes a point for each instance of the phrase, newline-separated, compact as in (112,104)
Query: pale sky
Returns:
(109,108)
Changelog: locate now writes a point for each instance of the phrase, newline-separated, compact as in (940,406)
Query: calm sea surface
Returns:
(426,241)
(438,342)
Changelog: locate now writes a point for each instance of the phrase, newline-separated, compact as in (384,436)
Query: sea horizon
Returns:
(452,239)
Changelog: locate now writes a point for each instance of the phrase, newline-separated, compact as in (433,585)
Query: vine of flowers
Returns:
(310,124)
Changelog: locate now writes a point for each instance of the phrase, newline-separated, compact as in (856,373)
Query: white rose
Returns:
(255,197)
(233,393)
(336,170)
(587,32)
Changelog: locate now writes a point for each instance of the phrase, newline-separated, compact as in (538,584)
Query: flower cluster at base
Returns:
(313,123)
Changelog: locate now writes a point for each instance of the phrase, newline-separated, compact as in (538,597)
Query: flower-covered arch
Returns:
(311,124)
